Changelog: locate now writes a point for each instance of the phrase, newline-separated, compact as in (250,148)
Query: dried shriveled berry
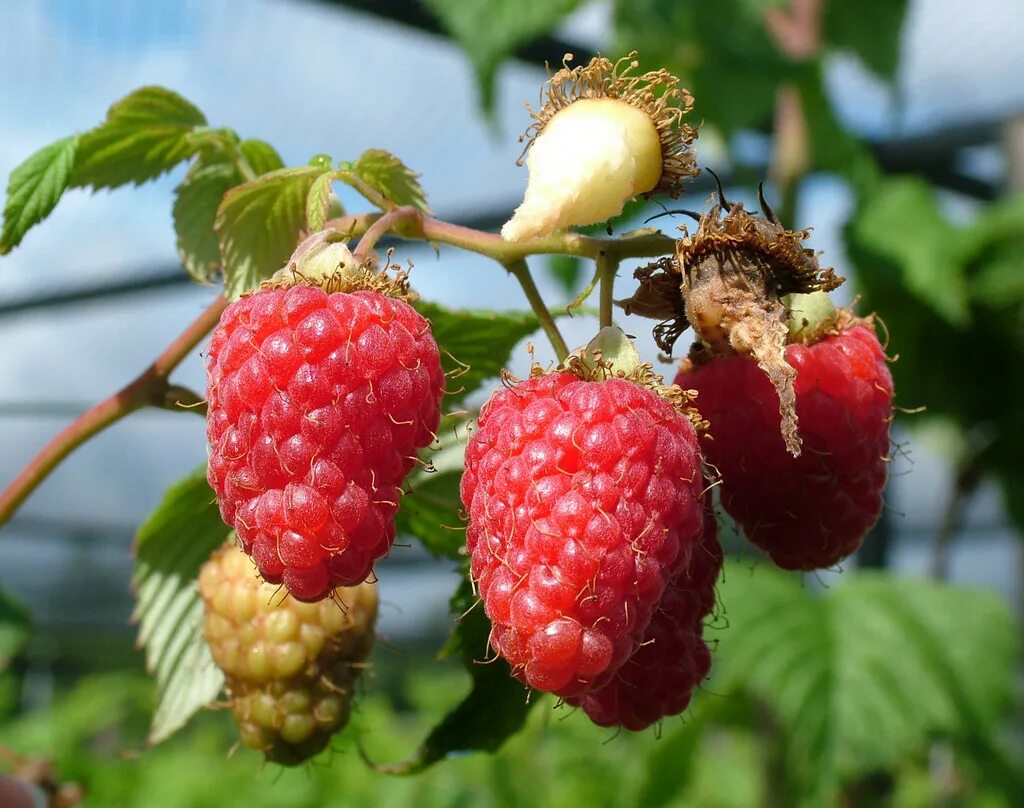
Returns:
(727,282)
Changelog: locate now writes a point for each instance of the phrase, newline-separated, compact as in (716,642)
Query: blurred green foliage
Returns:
(815,693)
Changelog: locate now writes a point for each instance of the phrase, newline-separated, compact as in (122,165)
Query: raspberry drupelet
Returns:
(290,668)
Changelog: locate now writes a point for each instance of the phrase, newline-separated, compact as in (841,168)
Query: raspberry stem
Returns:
(422,227)
(150,388)
(606,252)
(607,267)
(376,230)
(521,272)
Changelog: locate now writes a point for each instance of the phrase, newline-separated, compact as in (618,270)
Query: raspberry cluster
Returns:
(290,667)
(318,404)
(810,511)
(584,501)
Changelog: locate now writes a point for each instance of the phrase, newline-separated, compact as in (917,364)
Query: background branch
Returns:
(150,388)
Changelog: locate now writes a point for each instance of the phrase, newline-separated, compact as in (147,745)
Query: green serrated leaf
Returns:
(902,223)
(258,225)
(34,188)
(171,546)
(318,201)
(495,707)
(475,345)
(145,134)
(866,673)
(430,508)
(261,156)
(15,629)
(490,30)
(196,202)
(391,178)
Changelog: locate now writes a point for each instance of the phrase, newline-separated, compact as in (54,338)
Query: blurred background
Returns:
(895,129)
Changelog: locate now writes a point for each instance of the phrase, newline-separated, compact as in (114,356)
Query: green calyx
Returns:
(319,258)
(323,259)
(610,354)
(810,317)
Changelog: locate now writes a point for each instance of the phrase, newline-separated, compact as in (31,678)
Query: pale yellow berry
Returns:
(297,727)
(281,625)
(312,637)
(290,666)
(592,157)
(257,664)
(603,138)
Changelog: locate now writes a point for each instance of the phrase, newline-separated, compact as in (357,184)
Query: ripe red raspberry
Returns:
(317,405)
(658,680)
(290,667)
(584,500)
(810,511)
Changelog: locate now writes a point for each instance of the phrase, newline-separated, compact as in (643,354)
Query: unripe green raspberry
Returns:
(290,667)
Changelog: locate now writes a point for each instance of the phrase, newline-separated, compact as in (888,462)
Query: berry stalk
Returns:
(607,268)
(421,227)
(149,389)
(521,272)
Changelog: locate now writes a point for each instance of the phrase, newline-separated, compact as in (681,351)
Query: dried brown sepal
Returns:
(778,254)
(847,318)
(791,267)
(732,306)
(659,297)
(656,93)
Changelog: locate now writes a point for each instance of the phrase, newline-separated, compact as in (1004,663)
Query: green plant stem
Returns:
(229,145)
(372,194)
(150,388)
(521,271)
(381,226)
(577,302)
(411,223)
(607,268)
